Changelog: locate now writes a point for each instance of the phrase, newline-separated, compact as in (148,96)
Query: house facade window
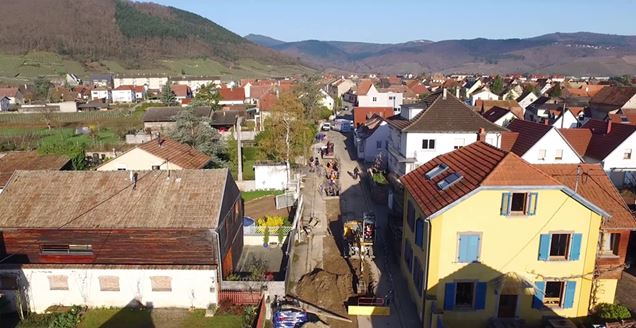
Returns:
(108,283)
(519,203)
(408,255)
(465,295)
(560,246)
(410,215)
(558,155)
(468,247)
(419,232)
(428,144)
(609,243)
(627,154)
(156,167)
(541,156)
(161,283)
(554,294)
(58,282)
(374,99)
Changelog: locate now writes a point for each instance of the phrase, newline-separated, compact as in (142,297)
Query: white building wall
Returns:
(551,143)
(101,94)
(270,177)
(155,83)
(123,96)
(137,160)
(504,120)
(484,95)
(370,148)
(190,288)
(529,99)
(382,99)
(566,121)
(631,103)
(444,143)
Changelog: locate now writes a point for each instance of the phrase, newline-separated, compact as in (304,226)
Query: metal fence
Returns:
(285,200)
(254,230)
(240,297)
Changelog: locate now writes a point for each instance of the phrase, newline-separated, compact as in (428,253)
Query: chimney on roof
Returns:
(481,135)
(546,121)
(444,93)
(609,126)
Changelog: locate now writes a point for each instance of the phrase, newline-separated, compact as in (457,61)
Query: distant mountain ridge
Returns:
(134,34)
(580,53)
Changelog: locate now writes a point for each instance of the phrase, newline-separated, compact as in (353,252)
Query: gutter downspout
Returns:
(426,268)
(219,265)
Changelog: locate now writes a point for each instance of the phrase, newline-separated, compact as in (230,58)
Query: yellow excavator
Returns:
(359,237)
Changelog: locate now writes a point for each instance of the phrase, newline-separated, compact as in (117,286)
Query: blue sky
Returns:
(391,21)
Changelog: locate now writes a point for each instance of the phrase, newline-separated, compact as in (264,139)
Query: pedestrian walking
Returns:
(356,172)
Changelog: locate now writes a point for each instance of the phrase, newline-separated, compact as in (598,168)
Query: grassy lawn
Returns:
(159,318)
(251,195)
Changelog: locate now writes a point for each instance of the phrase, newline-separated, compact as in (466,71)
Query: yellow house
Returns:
(489,238)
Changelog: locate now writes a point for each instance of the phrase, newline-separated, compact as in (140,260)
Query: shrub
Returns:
(613,312)
(379,178)
(271,221)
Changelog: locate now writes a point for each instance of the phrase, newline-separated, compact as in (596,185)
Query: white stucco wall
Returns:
(529,99)
(484,95)
(566,121)
(270,177)
(615,165)
(382,99)
(138,160)
(152,82)
(381,135)
(123,96)
(631,103)
(504,120)
(190,288)
(101,94)
(444,143)
(551,142)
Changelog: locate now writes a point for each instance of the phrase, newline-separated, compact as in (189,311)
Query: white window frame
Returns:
(558,154)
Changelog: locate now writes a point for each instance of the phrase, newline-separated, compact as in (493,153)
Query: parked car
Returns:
(325,126)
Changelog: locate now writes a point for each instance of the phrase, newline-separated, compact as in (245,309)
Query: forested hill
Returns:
(134,34)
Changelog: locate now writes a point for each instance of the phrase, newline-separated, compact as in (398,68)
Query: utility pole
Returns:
(239,149)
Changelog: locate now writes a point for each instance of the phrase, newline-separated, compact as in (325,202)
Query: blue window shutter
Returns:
(532,203)
(473,250)
(449,296)
(544,247)
(505,203)
(568,298)
(480,295)
(463,255)
(539,290)
(575,247)
(468,248)
(419,232)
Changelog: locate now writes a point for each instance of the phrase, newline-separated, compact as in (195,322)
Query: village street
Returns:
(354,200)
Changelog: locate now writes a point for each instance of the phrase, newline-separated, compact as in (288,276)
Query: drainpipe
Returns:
(426,267)
(219,265)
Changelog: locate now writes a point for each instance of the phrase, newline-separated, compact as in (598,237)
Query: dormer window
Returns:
(439,169)
(449,181)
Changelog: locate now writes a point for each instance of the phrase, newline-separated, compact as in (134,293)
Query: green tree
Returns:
(168,97)
(197,132)
(308,92)
(208,95)
(555,91)
(287,133)
(623,80)
(497,85)
(42,86)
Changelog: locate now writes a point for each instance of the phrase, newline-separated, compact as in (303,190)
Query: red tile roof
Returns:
(508,140)
(8,92)
(180,90)
(364,86)
(480,164)
(30,161)
(418,88)
(613,96)
(495,113)
(183,155)
(594,185)
(579,139)
(529,134)
(257,91)
(603,143)
(135,88)
(232,94)
(362,114)
(267,102)
(511,105)
(623,118)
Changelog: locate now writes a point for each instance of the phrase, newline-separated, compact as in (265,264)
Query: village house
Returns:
(610,100)
(102,93)
(369,96)
(72,80)
(102,80)
(371,140)
(362,114)
(461,207)
(339,87)
(29,161)
(232,96)
(538,143)
(196,82)
(498,115)
(183,93)
(123,94)
(483,93)
(609,144)
(151,82)
(163,119)
(154,238)
(161,153)
(5,104)
(526,98)
(14,95)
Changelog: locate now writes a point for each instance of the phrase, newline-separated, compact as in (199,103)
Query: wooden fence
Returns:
(240,297)
(261,315)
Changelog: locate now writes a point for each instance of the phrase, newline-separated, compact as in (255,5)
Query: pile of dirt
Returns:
(326,290)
